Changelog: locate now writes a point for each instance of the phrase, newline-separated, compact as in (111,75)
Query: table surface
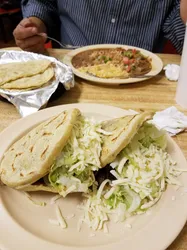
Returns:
(154,94)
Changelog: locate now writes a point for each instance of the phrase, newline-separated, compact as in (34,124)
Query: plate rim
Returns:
(173,234)
(157,60)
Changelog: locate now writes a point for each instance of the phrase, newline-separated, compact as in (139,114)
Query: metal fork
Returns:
(64,46)
(61,44)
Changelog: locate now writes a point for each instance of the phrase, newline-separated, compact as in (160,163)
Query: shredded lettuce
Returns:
(60,218)
(142,171)
(73,170)
(35,202)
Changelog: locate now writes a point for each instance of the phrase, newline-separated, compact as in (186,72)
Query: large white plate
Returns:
(157,65)
(25,226)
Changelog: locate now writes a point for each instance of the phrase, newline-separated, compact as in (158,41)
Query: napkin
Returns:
(172,72)
(171,120)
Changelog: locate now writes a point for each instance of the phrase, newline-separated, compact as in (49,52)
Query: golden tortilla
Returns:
(17,70)
(31,82)
(32,156)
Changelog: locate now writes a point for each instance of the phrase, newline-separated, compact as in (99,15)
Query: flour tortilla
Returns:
(123,130)
(30,82)
(31,157)
(16,70)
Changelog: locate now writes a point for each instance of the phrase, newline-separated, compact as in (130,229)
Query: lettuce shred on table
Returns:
(73,170)
(142,171)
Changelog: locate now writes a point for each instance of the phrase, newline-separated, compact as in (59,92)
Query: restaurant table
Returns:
(154,94)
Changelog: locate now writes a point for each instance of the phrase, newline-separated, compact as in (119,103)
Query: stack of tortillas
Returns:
(24,76)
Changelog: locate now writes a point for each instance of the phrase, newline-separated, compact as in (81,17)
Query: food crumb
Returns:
(128,226)
(54,199)
(54,222)
(79,224)
(92,235)
(173,198)
(105,229)
(148,212)
(70,216)
(176,188)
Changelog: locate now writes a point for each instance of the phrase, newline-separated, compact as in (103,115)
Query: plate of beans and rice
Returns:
(113,64)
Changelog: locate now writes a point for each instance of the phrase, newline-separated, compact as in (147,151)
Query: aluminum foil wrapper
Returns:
(28,102)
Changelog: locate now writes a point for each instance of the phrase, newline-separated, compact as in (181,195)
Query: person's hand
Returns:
(26,37)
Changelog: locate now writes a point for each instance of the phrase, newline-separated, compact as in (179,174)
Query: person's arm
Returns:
(174,28)
(45,10)
(40,16)
(183,10)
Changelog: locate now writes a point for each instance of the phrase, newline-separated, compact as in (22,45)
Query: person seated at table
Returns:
(142,23)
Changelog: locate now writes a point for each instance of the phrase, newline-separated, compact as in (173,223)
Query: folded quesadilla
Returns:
(30,158)
(122,131)
(90,146)
(73,170)
(134,181)
(70,169)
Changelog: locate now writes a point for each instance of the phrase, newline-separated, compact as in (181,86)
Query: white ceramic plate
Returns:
(25,226)
(157,65)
